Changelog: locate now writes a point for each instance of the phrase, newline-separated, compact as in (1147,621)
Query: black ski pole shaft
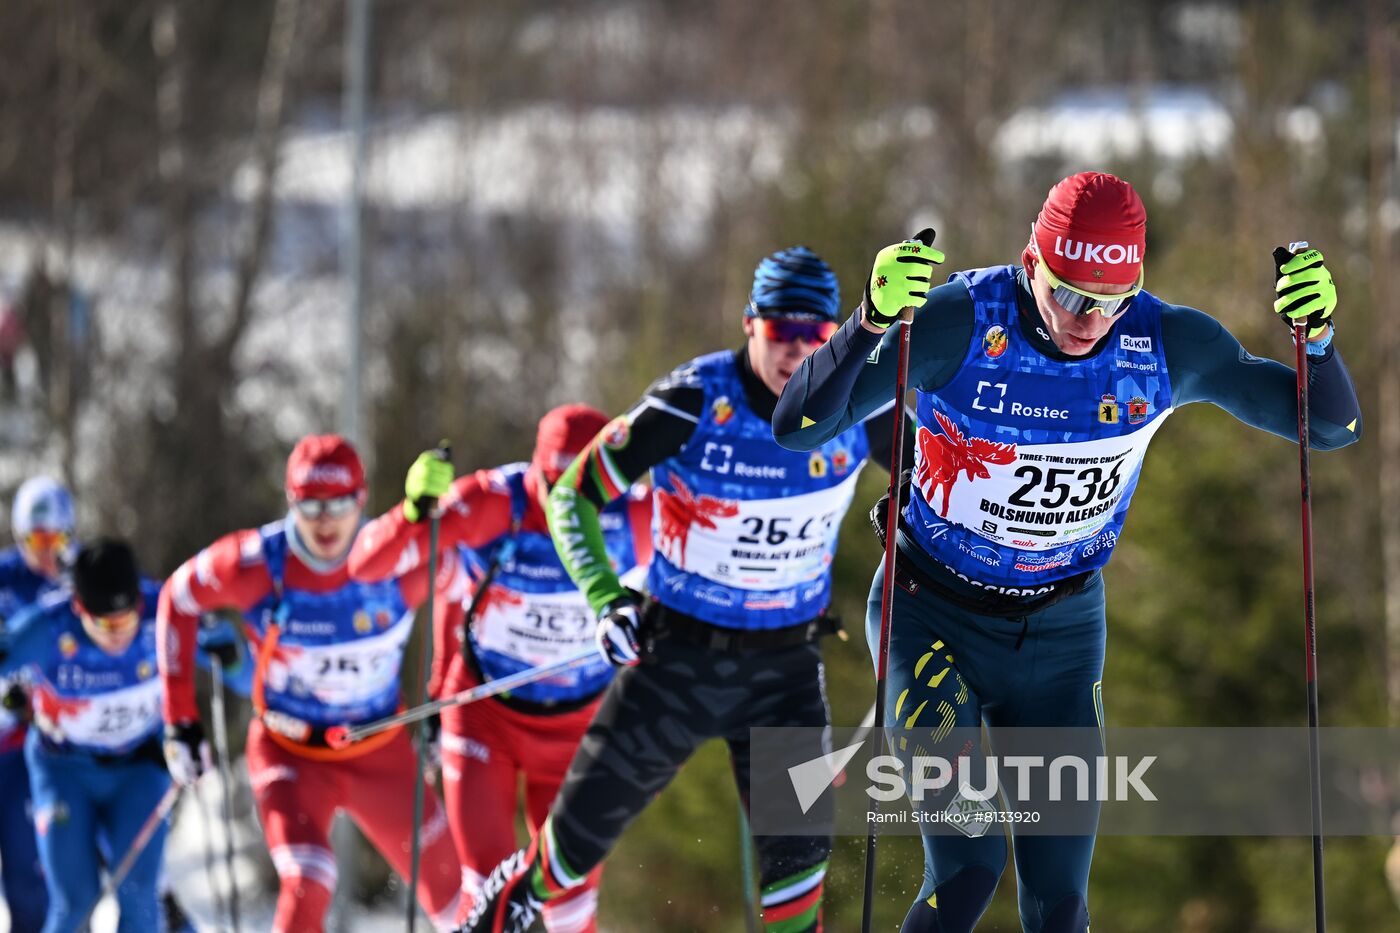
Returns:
(221,753)
(1300,339)
(901,388)
(426,656)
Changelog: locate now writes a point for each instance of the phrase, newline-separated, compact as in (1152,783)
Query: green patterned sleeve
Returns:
(656,428)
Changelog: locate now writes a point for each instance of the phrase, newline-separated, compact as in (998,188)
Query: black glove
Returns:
(219,638)
(186,751)
(619,631)
(16,700)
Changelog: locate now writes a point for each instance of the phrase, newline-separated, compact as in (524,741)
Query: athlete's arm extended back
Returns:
(846,380)
(656,428)
(1207,364)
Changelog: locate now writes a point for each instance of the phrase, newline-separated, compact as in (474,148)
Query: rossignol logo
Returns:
(1136,344)
(1112,254)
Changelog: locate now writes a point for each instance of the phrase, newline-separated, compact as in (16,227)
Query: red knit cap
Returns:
(324,466)
(562,435)
(1093,228)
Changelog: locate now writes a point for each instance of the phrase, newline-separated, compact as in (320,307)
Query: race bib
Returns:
(1031,497)
(756,544)
(344,673)
(112,720)
(537,628)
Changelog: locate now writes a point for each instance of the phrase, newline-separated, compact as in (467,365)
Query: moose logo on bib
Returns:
(943,457)
(680,511)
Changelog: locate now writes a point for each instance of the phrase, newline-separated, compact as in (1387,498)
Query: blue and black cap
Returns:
(105,577)
(794,282)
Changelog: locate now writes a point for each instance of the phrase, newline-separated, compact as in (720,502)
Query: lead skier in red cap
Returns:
(328,651)
(1039,385)
(513,607)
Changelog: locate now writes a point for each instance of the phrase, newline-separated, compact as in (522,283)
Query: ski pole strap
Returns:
(341,736)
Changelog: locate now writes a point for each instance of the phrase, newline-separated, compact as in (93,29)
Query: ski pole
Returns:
(221,755)
(901,388)
(444,452)
(133,852)
(1300,339)
(341,736)
(206,830)
(751,909)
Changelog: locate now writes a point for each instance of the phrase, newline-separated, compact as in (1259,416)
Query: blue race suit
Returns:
(95,764)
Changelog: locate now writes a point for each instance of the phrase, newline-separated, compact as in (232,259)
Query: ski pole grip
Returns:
(924,236)
(443,449)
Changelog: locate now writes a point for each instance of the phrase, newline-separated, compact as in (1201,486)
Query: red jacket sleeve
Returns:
(391,545)
(228,574)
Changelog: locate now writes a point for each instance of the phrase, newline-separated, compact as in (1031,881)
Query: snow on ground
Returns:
(185,862)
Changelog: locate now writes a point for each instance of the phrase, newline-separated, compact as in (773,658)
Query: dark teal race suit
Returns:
(1026,461)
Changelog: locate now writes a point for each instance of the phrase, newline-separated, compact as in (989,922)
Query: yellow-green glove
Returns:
(429,477)
(900,278)
(1305,290)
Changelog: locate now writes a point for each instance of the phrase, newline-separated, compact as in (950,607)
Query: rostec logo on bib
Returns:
(1136,344)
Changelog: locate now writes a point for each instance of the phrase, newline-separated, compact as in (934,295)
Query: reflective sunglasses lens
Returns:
(787,330)
(335,508)
(1079,304)
(42,540)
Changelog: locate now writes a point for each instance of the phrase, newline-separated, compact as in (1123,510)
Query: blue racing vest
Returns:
(532,613)
(337,655)
(745,530)
(1024,465)
(85,699)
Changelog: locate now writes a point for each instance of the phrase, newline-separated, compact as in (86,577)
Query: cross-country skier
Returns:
(327,652)
(41,520)
(95,765)
(1039,387)
(529,614)
(744,532)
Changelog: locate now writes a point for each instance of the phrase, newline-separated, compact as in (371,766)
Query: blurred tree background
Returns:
(567,198)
